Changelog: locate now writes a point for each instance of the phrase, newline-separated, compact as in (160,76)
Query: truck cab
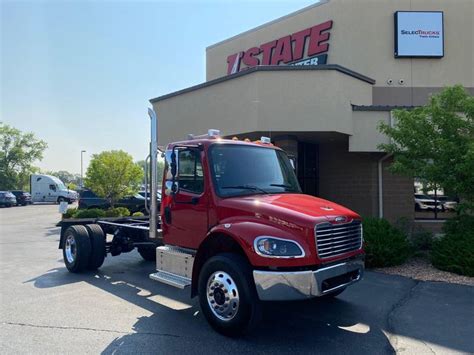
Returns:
(237,228)
(233,226)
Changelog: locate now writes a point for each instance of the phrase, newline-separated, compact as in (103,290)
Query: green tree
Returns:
(18,152)
(160,167)
(113,175)
(435,143)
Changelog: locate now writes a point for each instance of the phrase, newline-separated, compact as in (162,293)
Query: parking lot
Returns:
(45,309)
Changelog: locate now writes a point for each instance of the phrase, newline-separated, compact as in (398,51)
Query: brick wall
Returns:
(348,178)
(397,195)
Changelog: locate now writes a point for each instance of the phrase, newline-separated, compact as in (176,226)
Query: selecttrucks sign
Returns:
(419,34)
(306,47)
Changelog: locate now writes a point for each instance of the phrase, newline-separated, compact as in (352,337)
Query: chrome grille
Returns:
(337,239)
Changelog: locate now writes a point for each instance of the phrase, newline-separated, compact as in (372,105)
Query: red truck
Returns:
(233,226)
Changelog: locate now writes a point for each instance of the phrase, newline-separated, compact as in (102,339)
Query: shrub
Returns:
(385,245)
(90,213)
(70,213)
(138,214)
(117,212)
(455,251)
(420,239)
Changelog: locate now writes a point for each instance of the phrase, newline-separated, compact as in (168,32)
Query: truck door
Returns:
(52,193)
(185,216)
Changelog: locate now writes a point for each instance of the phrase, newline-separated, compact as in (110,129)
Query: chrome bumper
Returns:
(297,285)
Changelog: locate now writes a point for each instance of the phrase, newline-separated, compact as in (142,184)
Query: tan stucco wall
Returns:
(285,101)
(366,135)
(362,39)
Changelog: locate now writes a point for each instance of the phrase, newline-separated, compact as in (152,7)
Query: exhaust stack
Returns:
(153,179)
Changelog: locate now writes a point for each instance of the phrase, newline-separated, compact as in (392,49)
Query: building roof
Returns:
(260,68)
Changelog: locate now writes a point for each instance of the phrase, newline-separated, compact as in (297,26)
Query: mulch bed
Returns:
(420,268)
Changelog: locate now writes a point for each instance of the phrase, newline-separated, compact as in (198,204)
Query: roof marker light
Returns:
(213,133)
(265,140)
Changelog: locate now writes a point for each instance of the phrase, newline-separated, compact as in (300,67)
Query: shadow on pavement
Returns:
(355,322)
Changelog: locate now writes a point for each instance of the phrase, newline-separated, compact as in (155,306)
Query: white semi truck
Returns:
(47,188)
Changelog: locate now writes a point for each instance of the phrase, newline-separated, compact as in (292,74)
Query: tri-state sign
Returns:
(304,47)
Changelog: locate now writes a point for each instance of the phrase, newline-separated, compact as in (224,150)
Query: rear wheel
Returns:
(97,240)
(227,295)
(76,248)
(147,253)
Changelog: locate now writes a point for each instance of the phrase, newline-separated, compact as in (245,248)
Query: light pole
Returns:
(82,179)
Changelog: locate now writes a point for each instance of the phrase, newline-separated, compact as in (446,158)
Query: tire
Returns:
(61,199)
(97,240)
(149,254)
(240,310)
(76,248)
(332,294)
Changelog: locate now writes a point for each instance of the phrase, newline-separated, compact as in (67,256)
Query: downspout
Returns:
(380,174)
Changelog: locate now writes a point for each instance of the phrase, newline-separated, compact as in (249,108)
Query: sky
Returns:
(79,74)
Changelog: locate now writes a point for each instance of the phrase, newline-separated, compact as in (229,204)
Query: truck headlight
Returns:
(273,247)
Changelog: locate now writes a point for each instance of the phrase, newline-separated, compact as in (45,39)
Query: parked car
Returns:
(426,203)
(7,199)
(447,203)
(158,194)
(22,197)
(88,200)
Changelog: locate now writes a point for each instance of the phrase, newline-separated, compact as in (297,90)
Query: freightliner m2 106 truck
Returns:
(233,226)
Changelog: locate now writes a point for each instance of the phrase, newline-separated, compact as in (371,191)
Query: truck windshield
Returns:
(245,170)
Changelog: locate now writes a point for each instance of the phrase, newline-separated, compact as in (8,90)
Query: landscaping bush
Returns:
(117,212)
(419,238)
(385,245)
(138,214)
(454,251)
(70,213)
(90,213)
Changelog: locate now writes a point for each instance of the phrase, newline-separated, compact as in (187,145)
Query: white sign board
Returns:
(419,34)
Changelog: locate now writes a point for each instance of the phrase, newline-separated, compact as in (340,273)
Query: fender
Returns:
(245,232)
(238,237)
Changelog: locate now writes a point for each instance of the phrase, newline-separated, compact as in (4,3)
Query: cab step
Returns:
(171,279)
(174,266)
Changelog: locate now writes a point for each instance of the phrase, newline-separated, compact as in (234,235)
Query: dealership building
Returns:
(320,80)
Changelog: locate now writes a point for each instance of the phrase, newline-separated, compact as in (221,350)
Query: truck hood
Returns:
(300,209)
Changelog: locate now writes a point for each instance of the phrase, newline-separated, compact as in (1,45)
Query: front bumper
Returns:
(297,285)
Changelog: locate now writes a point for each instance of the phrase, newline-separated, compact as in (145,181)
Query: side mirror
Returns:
(171,187)
(173,165)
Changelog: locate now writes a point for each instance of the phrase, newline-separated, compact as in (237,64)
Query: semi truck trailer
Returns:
(233,226)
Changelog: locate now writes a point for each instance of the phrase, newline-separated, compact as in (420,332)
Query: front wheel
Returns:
(227,295)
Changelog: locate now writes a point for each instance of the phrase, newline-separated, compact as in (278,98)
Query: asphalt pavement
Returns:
(46,309)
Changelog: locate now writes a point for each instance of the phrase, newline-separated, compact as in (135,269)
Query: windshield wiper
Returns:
(246,187)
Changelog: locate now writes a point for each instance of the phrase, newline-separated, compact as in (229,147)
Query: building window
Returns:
(432,202)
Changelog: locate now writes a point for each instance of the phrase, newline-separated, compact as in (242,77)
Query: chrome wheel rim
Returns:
(70,249)
(222,296)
